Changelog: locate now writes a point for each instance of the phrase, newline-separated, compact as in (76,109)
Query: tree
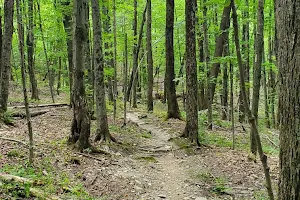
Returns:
(67,21)
(30,52)
(259,47)
(81,124)
(102,124)
(149,57)
(219,50)
(191,128)
(288,60)
(6,53)
(22,63)
(252,119)
(173,109)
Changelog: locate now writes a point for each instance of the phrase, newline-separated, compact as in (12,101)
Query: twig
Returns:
(14,140)
(273,143)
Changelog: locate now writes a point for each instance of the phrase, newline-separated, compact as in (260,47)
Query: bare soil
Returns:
(148,165)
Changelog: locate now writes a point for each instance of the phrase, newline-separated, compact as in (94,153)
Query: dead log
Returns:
(22,115)
(41,105)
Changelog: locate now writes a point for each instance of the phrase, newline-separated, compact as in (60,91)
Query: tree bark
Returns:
(251,118)
(80,131)
(173,109)
(6,53)
(59,77)
(67,21)
(149,57)
(288,60)
(224,99)
(259,45)
(102,123)
(22,63)
(30,52)
(214,71)
(115,61)
(191,128)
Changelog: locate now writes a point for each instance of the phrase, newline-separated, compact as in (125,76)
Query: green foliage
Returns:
(7,118)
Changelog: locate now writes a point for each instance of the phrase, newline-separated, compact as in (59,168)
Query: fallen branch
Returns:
(14,140)
(41,105)
(22,115)
(273,143)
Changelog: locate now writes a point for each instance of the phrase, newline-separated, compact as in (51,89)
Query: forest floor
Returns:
(151,163)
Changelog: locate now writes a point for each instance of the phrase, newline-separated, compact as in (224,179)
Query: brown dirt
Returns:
(146,166)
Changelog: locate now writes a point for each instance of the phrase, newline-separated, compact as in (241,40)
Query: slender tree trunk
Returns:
(201,81)
(246,55)
(6,53)
(108,53)
(191,128)
(136,50)
(231,71)
(225,84)
(125,78)
(67,21)
(102,123)
(81,124)
(173,109)
(259,47)
(46,53)
(149,57)
(288,60)
(22,63)
(115,61)
(30,52)
(214,72)
(59,76)
(251,118)
(266,96)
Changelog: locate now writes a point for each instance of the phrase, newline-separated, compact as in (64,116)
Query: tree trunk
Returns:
(214,72)
(125,78)
(288,60)
(6,53)
(224,99)
(115,61)
(108,53)
(245,51)
(136,50)
(22,63)
(173,109)
(259,45)
(49,71)
(30,52)
(81,124)
(67,21)
(251,118)
(266,96)
(59,77)
(149,57)
(191,128)
(102,123)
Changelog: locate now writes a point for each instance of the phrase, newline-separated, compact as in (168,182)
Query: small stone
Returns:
(163,196)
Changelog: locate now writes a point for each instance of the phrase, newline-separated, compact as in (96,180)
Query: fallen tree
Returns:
(41,105)
(22,115)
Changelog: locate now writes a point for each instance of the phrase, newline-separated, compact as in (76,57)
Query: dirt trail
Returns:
(170,175)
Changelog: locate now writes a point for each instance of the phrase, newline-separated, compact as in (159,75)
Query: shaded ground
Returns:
(148,165)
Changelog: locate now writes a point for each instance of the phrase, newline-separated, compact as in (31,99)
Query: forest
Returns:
(150,99)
